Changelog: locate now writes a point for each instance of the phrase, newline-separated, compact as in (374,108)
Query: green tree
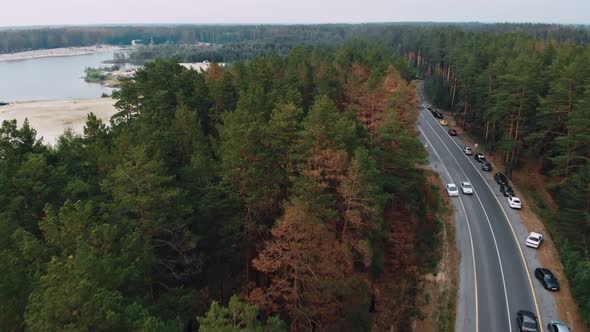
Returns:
(237,317)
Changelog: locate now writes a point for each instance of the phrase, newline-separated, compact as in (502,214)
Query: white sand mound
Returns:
(51,118)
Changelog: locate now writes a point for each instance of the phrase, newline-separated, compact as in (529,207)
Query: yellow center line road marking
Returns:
(515,239)
(488,221)
(468,230)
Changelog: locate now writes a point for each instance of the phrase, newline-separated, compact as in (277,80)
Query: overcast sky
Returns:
(58,12)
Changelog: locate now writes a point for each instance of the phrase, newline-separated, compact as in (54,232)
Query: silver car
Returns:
(466,188)
(557,326)
(452,190)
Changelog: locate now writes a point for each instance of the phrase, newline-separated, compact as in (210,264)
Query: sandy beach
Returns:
(50,118)
(54,52)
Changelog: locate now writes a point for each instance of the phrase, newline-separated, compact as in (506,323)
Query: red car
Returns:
(452,132)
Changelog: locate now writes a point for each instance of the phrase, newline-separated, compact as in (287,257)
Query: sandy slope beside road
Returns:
(50,118)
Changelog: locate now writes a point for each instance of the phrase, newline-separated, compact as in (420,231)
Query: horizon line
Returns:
(41,26)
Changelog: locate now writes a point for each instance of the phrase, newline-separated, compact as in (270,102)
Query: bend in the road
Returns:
(494,241)
(507,219)
(470,236)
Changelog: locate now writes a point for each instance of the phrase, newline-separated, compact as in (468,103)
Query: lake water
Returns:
(51,78)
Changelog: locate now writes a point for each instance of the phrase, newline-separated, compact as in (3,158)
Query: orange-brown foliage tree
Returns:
(307,267)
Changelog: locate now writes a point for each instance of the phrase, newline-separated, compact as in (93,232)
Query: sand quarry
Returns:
(53,52)
(51,118)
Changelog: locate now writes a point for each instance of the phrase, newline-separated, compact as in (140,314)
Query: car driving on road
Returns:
(468,150)
(466,188)
(452,190)
(534,240)
(527,321)
(500,178)
(479,157)
(514,202)
(557,326)
(547,279)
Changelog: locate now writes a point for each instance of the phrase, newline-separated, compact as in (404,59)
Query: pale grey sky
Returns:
(57,12)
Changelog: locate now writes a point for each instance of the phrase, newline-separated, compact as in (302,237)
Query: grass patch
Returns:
(94,75)
(445,319)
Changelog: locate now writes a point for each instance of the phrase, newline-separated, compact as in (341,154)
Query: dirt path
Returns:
(50,118)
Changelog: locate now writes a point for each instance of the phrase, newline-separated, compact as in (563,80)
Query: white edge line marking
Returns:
(487,219)
(470,236)
(515,239)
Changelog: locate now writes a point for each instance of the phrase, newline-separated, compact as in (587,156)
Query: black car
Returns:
(429,107)
(506,190)
(479,157)
(500,178)
(438,115)
(486,166)
(527,321)
(547,279)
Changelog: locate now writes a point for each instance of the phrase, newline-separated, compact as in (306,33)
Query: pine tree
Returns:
(237,317)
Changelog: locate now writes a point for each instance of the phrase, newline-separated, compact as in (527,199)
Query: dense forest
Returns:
(270,38)
(528,100)
(271,195)
(522,89)
(211,194)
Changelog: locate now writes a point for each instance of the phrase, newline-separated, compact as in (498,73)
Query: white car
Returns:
(534,240)
(466,188)
(514,202)
(452,190)
(468,150)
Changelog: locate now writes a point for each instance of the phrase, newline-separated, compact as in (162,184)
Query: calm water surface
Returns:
(50,78)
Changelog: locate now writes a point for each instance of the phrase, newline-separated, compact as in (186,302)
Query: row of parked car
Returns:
(442,122)
(526,320)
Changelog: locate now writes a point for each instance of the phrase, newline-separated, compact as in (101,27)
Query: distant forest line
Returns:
(24,39)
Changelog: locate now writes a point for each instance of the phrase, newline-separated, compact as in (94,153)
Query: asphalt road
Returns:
(495,269)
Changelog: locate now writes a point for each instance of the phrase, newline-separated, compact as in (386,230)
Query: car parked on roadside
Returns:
(534,240)
(452,132)
(500,178)
(514,202)
(527,321)
(468,150)
(558,326)
(547,279)
(466,188)
(506,190)
(443,123)
(486,166)
(429,107)
(479,157)
(438,115)
(452,190)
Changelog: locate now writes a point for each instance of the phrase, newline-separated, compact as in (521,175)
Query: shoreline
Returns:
(51,117)
(59,52)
